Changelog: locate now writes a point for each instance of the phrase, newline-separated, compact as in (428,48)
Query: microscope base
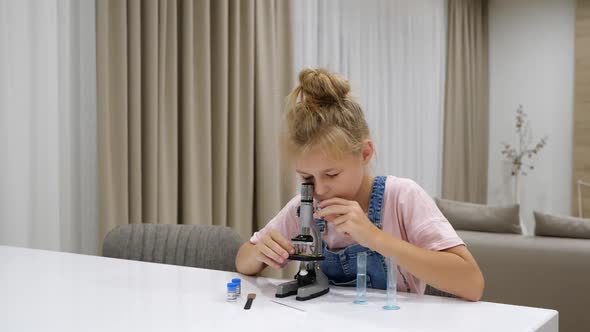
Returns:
(318,287)
(303,293)
(287,289)
(311,292)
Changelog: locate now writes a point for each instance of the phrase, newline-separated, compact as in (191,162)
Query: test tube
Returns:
(361,278)
(391,285)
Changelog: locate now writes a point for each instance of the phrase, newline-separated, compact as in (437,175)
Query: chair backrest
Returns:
(210,247)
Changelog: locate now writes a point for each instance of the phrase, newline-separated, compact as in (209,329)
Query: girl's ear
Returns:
(367,151)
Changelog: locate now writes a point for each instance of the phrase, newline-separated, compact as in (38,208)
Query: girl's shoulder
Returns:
(396,185)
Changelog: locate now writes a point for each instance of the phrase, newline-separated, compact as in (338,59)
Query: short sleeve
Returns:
(425,225)
(285,222)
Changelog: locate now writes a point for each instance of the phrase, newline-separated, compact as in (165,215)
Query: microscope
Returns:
(310,282)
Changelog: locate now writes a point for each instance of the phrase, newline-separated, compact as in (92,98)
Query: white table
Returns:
(53,291)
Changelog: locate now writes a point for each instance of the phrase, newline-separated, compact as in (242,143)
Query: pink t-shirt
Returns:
(408,213)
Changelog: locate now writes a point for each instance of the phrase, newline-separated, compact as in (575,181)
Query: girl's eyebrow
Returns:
(324,171)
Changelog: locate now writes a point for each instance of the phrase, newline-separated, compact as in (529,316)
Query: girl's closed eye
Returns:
(333,175)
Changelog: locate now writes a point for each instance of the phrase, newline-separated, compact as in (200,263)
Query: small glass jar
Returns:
(238,283)
(232,296)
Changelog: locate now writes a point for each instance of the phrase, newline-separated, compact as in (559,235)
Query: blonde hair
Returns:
(321,113)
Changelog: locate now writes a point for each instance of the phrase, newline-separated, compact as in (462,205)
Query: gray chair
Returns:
(210,247)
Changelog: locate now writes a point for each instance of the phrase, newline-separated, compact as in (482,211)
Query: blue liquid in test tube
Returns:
(361,278)
(391,285)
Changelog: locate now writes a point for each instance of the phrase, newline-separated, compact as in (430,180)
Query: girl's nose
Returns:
(320,189)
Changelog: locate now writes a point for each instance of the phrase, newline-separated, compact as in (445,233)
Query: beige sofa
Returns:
(537,271)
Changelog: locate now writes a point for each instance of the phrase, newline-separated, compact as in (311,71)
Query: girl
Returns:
(328,139)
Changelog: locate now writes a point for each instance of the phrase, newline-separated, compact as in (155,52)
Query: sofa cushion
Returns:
(561,226)
(536,271)
(481,218)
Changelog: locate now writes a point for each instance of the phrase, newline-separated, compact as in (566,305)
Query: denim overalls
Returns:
(340,266)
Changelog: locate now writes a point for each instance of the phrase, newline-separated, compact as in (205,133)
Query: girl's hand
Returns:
(273,249)
(349,218)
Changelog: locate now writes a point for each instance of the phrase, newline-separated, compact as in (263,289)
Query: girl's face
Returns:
(334,177)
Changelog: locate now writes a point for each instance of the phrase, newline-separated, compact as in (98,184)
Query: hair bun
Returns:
(321,86)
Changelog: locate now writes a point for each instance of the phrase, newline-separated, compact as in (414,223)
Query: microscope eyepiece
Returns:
(307,192)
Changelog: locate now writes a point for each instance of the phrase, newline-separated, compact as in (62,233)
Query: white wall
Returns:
(532,63)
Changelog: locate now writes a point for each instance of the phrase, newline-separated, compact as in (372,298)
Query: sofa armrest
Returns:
(535,271)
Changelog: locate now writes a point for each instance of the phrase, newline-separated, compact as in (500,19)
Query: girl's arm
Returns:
(453,270)
(269,246)
(272,249)
(246,262)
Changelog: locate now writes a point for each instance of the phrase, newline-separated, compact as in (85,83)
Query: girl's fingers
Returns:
(285,244)
(267,261)
(270,253)
(340,220)
(276,248)
(331,210)
(333,201)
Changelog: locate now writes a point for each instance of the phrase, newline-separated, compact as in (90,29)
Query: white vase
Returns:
(518,197)
(517,187)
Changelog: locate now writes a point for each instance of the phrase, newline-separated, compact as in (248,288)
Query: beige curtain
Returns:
(581,132)
(190,97)
(466,119)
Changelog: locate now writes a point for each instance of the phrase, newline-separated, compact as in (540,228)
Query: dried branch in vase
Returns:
(518,155)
